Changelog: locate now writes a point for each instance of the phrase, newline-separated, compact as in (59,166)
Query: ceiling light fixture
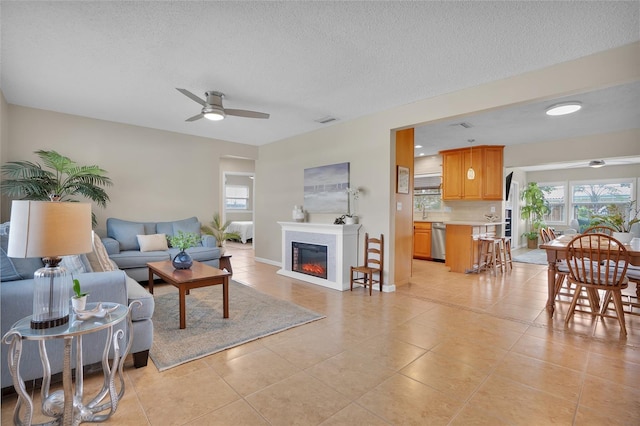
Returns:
(596,163)
(564,108)
(471,174)
(213,114)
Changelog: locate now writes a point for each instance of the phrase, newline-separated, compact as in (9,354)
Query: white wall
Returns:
(367,142)
(157,175)
(4,147)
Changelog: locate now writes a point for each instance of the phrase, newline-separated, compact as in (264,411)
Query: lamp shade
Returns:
(49,229)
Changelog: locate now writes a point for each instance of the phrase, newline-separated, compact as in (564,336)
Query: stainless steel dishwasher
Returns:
(438,230)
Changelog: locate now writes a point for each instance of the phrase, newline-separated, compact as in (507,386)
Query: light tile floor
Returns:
(446,348)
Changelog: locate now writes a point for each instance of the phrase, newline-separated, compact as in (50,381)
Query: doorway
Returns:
(238,203)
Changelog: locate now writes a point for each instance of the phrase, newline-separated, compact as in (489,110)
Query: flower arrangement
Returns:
(620,218)
(355,194)
(184,240)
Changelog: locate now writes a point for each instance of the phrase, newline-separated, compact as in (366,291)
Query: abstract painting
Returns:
(325,189)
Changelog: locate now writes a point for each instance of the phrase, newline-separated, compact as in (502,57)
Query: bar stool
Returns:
(490,254)
(506,251)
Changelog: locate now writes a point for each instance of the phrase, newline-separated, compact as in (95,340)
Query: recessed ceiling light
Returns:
(418,146)
(564,108)
(596,163)
(421,154)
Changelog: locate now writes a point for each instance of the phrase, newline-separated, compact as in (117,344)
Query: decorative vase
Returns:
(532,244)
(79,303)
(623,237)
(350,220)
(222,248)
(574,224)
(298,214)
(182,260)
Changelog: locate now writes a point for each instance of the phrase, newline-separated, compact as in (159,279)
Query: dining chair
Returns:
(599,229)
(544,235)
(373,264)
(598,262)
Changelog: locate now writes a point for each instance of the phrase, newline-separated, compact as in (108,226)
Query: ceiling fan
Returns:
(212,108)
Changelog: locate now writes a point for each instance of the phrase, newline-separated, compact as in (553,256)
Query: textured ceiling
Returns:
(298,61)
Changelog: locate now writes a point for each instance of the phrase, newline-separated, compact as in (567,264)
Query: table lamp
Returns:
(50,229)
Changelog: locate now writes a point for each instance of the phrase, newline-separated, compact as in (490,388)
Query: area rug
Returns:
(252,315)
(536,256)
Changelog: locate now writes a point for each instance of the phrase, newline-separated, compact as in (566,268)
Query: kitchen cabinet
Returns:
(487,162)
(462,244)
(422,240)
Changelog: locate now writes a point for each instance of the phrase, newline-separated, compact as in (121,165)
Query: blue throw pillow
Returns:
(127,234)
(13,269)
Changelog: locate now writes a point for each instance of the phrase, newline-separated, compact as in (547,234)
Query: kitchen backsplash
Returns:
(463,210)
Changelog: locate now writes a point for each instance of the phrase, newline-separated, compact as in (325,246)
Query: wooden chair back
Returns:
(544,235)
(374,252)
(597,259)
(599,229)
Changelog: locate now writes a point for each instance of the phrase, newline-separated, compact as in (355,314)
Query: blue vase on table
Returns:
(182,260)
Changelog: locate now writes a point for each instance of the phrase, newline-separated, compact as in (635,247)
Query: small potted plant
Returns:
(183,240)
(79,298)
(351,218)
(219,230)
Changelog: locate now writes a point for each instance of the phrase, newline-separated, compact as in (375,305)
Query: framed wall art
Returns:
(402,180)
(325,189)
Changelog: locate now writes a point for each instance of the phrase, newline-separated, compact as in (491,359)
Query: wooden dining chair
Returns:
(373,264)
(598,262)
(544,235)
(599,229)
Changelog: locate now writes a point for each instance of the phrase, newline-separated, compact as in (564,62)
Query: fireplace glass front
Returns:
(310,259)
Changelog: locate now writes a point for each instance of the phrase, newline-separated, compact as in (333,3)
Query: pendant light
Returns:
(471,174)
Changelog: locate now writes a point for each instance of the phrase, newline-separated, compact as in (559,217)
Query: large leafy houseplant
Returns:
(219,230)
(65,180)
(533,209)
(620,218)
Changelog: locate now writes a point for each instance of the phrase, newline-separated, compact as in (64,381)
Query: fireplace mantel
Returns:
(342,250)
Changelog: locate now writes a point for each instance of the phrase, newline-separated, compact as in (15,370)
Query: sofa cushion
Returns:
(185,225)
(137,259)
(13,268)
(136,292)
(188,227)
(199,253)
(127,234)
(155,242)
(99,258)
(73,264)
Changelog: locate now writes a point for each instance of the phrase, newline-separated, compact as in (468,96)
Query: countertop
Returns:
(460,222)
(472,223)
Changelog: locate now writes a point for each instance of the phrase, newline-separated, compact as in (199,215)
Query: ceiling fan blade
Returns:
(191,96)
(245,113)
(195,117)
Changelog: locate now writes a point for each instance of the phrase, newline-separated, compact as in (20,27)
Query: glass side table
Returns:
(66,406)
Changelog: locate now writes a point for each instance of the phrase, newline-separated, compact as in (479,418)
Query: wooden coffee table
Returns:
(199,275)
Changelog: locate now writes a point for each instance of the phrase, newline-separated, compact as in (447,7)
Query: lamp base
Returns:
(55,322)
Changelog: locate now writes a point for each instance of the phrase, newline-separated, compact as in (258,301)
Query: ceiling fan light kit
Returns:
(213,110)
(564,108)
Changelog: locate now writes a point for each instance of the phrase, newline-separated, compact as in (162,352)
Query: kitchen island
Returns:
(462,243)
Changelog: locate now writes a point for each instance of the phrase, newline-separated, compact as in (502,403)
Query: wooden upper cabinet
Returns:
(452,181)
(487,162)
(493,180)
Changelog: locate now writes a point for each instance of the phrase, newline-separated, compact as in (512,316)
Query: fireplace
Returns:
(309,259)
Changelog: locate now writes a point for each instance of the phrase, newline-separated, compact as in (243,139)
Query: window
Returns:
(555,195)
(236,197)
(589,198)
(582,199)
